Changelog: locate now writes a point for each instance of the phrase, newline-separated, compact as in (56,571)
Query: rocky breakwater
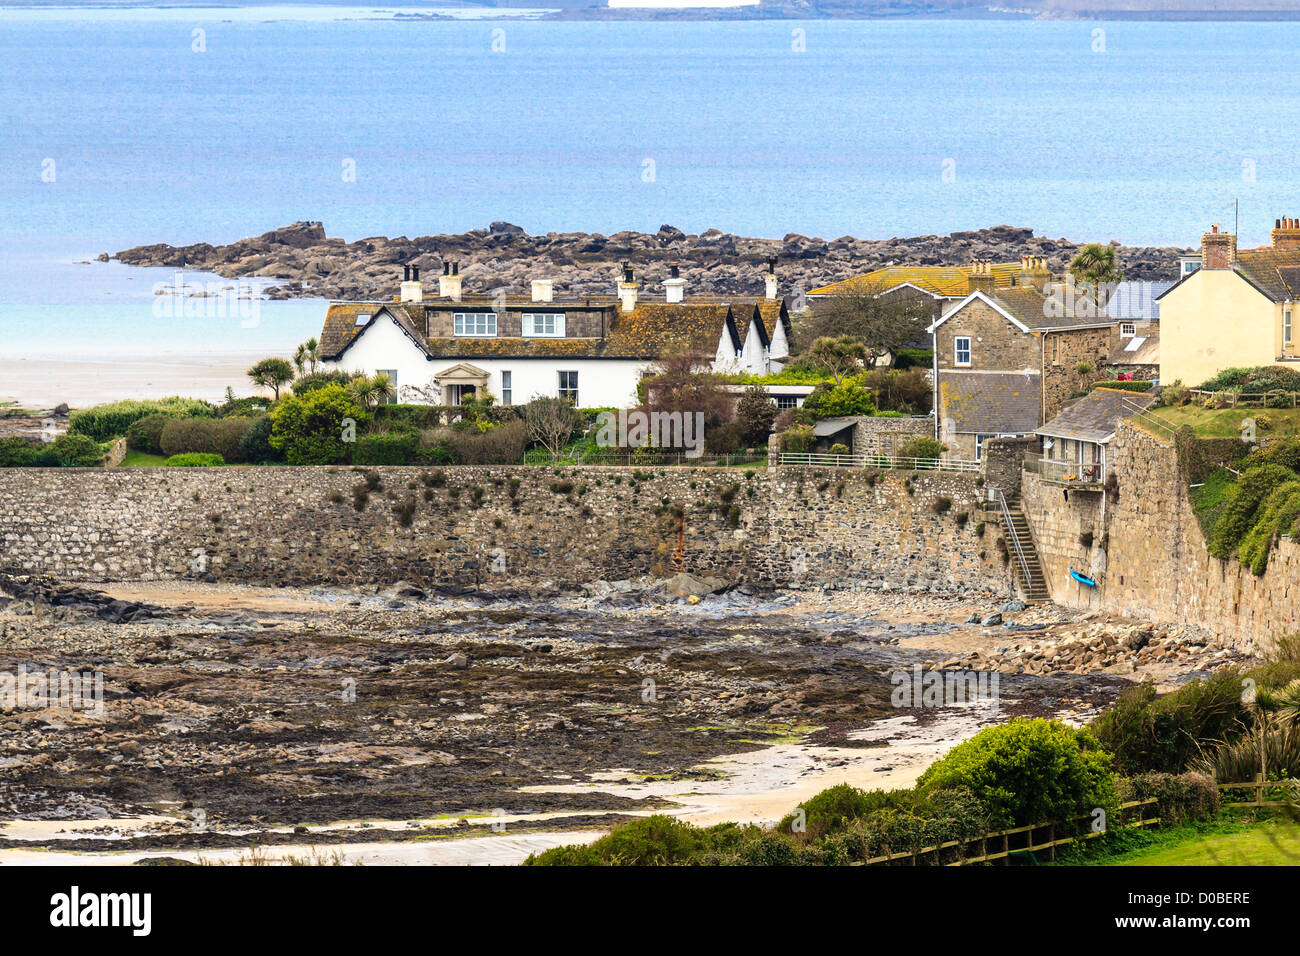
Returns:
(505,256)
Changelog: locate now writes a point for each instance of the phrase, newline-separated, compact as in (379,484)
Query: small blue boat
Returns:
(1082,578)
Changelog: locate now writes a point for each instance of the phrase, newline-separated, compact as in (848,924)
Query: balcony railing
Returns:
(1066,472)
(815,459)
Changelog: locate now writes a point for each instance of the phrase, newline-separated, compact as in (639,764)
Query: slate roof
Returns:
(1096,416)
(1136,301)
(1142,349)
(1275,272)
(948,281)
(990,402)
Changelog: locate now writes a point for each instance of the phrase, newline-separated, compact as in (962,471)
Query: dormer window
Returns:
(363,318)
(480,324)
(544,324)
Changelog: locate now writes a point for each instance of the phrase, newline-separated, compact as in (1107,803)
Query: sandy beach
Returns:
(79,383)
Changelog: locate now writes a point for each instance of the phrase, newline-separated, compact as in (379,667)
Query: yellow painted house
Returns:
(1235,311)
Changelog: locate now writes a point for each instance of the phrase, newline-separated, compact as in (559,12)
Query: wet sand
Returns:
(79,383)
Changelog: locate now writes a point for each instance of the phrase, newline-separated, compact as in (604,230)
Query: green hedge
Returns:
(1134,386)
(105,422)
(385,448)
(194,460)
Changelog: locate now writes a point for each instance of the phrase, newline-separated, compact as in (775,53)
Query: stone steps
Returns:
(1034,584)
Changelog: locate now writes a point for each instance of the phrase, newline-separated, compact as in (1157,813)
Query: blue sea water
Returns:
(1142,132)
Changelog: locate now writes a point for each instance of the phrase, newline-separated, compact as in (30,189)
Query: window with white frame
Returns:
(507,389)
(1127,330)
(475,323)
(1286,326)
(787,401)
(961,350)
(569,386)
(544,324)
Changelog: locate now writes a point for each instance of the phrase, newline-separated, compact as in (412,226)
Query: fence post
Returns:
(1051,840)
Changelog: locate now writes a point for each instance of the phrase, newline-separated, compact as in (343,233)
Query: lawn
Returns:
(1221,842)
(1226,422)
(140,459)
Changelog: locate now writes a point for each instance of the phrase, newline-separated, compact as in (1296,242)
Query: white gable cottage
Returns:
(442,349)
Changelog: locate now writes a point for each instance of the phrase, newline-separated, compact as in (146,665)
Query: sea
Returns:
(125,124)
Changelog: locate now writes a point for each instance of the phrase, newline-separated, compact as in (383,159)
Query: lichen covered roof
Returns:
(949,281)
(1274,271)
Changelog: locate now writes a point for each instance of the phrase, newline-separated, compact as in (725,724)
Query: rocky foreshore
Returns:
(581,263)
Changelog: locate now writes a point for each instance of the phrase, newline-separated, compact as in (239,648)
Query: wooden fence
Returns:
(1245,399)
(1260,788)
(1000,846)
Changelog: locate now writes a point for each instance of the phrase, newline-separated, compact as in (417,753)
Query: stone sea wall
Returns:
(1154,563)
(499,527)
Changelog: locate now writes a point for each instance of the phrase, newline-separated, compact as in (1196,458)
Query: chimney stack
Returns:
(769,280)
(449,281)
(1285,234)
(542,291)
(627,290)
(1034,273)
(411,290)
(674,285)
(981,276)
(1218,249)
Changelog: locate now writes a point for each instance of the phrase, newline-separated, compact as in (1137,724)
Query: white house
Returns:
(593,350)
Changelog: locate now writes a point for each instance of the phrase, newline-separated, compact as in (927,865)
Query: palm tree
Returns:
(370,391)
(312,348)
(300,357)
(1093,270)
(271,373)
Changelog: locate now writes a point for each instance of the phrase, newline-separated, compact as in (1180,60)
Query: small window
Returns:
(569,386)
(787,401)
(1286,326)
(475,323)
(363,318)
(392,377)
(1127,330)
(507,389)
(544,324)
(961,350)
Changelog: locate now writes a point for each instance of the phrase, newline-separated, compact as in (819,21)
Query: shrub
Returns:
(922,447)
(106,422)
(1029,771)
(1276,515)
(836,807)
(1283,451)
(897,390)
(755,416)
(940,505)
(145,434)
(18,452)
(1130,386)
(72,451)
(652,841)
(797,438)
(194,460)
(385,448)
(255,447)
(849,397)
(1174,395)
(215,436)
(1242,504)
(306,384)
(1182,798)
(839,448)
(308,429)
(500,445)
(1149,733)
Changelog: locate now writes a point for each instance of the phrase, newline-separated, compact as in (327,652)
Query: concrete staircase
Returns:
(1033,585)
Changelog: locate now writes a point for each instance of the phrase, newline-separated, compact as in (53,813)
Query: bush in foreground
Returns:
(1029,771)
(105,422)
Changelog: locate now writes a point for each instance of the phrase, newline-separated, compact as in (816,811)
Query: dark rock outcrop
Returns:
(505,256)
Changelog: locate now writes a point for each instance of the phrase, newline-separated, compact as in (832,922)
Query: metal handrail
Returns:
(1015,540)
